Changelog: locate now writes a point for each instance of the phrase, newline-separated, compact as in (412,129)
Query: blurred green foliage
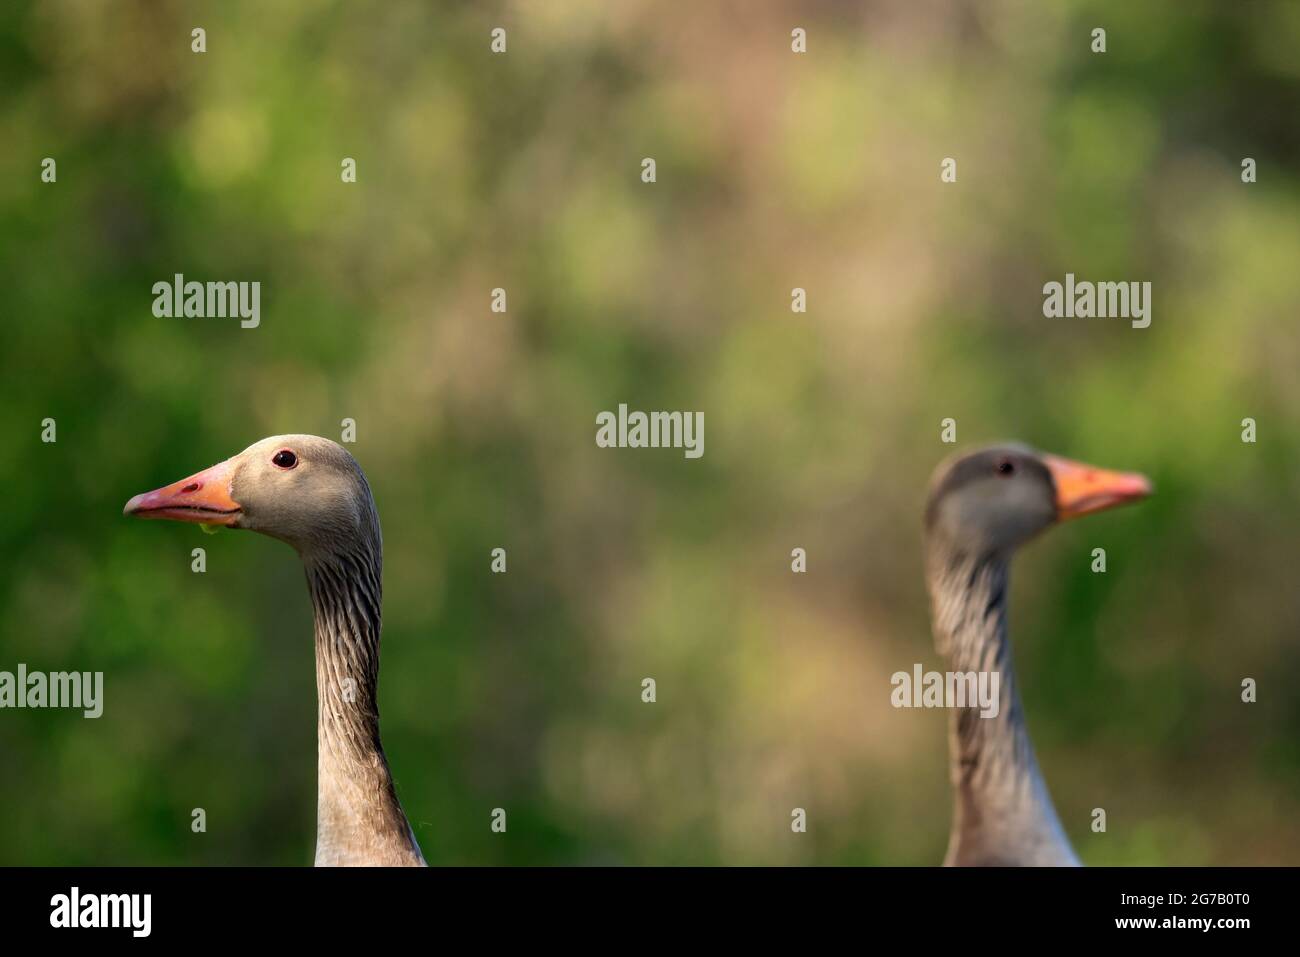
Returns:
(476,429)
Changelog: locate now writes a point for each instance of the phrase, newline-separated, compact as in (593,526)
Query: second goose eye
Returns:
(284,459)
(1006,468)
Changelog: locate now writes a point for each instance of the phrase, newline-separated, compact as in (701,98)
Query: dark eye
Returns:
(284,459)
(1006,467)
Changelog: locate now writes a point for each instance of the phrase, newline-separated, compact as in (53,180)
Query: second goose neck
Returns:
(1002,813)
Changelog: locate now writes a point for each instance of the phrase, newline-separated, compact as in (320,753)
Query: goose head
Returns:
(991,501)
(301,489)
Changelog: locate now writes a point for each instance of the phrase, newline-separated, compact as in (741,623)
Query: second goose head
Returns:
(988,502)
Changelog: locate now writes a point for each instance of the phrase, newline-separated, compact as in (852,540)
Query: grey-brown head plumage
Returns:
(311,493)
(982,506)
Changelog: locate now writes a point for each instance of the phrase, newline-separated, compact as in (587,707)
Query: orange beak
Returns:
(203,497)
(1082,489)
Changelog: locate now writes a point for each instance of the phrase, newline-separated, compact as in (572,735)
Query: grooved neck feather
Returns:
(1002,812)
(359,820)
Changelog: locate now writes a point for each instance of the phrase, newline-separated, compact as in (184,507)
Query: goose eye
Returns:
(1006,468)
(284,459)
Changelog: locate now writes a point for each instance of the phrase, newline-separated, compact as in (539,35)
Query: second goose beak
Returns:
(1083,489)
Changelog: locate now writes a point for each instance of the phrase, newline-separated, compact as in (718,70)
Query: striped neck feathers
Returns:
(1002,813)
(359,818)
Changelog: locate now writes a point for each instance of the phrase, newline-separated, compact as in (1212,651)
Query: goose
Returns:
(981,507)
(311,493)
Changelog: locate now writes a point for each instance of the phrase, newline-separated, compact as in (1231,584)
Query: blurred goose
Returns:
(982,507)
(309,492)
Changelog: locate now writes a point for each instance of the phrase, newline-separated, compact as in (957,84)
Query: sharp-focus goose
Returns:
(982,507)
(309,492)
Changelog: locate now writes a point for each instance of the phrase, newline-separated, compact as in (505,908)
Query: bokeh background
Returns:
(476,429)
